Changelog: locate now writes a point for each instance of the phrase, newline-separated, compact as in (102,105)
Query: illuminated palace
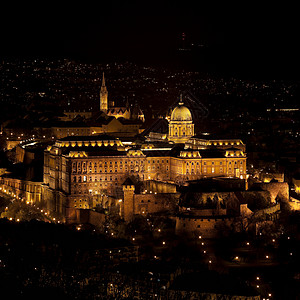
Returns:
(77,169)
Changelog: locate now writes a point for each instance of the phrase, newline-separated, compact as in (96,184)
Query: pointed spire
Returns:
(103,80)
(103,96)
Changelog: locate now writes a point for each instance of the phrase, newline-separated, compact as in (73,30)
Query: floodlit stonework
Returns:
(80,170)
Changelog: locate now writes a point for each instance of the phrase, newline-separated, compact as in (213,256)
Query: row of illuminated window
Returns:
(183,133)
(115,162)
(81,167)
(131,168)
(95,179)
(224,143)
(105,170)
(197,171)
(212,163)
(21,186)
(212,170)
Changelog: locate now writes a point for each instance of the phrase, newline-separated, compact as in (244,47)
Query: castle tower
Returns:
(128,203)
(103,96)
(181,126)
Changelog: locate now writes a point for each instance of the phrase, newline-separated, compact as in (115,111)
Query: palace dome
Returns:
(181,113)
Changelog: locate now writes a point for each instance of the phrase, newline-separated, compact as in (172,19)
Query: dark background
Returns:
(244,38)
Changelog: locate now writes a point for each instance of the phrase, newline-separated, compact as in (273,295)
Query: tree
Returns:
(138,226)
(22,211)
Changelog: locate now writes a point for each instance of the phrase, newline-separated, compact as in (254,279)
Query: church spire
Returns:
(103,80)
(103,96)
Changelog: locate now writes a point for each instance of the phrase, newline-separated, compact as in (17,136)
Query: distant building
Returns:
(108,108)
(110,119)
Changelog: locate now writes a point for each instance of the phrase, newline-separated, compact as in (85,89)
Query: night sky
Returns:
(247,38)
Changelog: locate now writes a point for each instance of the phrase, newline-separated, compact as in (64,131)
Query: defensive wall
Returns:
(206,226)
(160,187)
(279,190)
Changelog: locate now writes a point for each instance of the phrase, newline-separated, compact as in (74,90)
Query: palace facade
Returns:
(80,169)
